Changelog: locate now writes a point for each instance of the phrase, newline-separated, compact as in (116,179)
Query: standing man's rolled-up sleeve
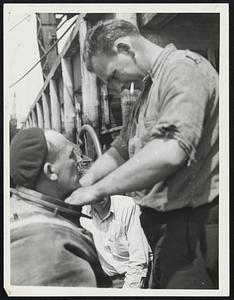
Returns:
(184,95)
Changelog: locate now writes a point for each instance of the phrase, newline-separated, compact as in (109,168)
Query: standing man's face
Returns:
(116,69)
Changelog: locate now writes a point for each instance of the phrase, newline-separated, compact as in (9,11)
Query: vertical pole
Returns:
(34,118)
(30,121)
(40,114)
(69,109)
(104,99)
(78,100)
(89,86)
(55,108)
(46,112)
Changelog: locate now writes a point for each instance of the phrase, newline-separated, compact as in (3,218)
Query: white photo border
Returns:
(224,268)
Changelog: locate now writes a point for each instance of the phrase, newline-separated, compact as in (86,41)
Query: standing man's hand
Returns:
(84,195)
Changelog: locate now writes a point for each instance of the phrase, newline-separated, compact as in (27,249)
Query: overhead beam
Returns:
(46,36)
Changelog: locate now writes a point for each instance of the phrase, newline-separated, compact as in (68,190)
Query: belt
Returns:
(210,205)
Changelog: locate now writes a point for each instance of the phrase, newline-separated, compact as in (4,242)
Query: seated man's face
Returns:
(65,165)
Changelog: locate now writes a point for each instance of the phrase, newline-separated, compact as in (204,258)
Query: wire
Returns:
(19,23)
(44,55)
(61,24)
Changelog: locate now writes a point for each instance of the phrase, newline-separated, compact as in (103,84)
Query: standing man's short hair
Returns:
(101,37)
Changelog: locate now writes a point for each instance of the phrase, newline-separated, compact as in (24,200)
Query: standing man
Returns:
(121,245)
(167,154)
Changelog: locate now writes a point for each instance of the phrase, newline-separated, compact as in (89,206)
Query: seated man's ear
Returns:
(49,172)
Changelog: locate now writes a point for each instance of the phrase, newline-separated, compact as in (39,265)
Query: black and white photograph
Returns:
(116,149)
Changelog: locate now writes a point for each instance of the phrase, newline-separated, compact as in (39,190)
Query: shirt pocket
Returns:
(117,241)
(149,124)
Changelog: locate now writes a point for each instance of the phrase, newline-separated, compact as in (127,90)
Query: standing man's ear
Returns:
(122,47)
(49,172)
(125,48)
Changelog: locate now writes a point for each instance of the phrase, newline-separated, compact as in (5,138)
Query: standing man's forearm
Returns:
(104,165)
(153,163)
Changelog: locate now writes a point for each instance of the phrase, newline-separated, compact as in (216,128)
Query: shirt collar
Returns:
(54,205)
(159,62)
(90,211)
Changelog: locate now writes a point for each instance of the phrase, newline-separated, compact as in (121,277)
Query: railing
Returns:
(71,96)
(56,106)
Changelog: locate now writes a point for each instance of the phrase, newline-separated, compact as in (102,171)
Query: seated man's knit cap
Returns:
(28,153)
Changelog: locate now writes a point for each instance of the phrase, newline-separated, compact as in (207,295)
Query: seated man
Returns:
(48,247)
(122,247)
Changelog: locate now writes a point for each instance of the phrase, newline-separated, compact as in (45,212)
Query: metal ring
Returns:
(88,128)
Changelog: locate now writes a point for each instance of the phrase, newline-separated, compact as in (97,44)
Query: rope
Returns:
(43,56)
(19,22)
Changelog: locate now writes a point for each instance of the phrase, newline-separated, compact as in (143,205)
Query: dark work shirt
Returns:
(180,101)
(51,251)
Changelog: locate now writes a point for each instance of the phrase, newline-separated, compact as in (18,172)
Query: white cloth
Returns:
(120,241)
